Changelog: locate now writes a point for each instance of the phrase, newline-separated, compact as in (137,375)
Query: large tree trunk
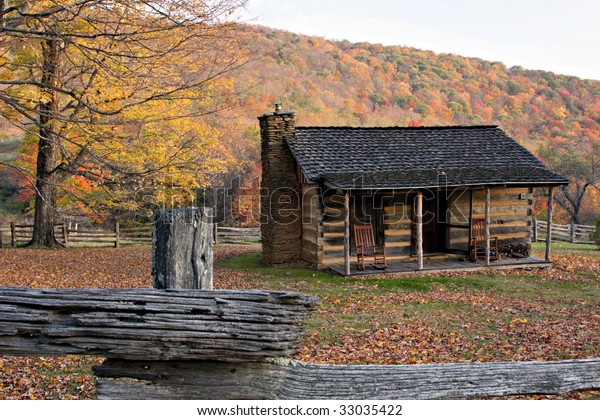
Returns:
(48,149)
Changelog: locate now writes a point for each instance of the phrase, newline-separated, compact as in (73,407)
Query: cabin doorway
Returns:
(435,208)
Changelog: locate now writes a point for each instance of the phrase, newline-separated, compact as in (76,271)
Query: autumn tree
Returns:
(580,162)
(114,91)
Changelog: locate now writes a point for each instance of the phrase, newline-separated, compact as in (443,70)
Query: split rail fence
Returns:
(17,234)
(576,234)
(237,344)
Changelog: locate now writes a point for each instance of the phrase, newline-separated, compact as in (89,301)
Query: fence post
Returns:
(215,233)
(182,248)
(65,230)
(549,224)
(535,230)
(572,232)
(13,234)
(117,242)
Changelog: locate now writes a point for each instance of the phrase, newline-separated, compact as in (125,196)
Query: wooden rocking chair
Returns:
(366,247)
(477,246)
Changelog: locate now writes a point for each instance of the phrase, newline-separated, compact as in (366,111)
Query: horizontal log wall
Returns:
(331,239)
(312,232)
(397,224)
(149,324)
(510,217)
(511,222)
(397,228)
(283,379)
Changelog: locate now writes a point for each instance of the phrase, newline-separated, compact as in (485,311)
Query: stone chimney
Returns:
(281,206)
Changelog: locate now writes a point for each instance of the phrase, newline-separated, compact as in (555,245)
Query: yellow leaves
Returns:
(137,102)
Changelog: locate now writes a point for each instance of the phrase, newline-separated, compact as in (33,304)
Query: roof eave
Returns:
(465,185)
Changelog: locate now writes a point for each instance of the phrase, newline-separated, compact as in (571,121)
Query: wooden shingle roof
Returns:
(410,157)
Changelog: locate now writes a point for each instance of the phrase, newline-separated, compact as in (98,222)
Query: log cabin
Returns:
(420,188)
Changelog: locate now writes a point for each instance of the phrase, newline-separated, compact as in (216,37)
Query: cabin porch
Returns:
(435,238)
(443,263)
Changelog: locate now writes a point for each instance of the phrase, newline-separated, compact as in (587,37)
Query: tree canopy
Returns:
(114,93)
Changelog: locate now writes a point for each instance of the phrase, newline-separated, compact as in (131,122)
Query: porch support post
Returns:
(419,213)
(347,233)
(487,225)
(549,230)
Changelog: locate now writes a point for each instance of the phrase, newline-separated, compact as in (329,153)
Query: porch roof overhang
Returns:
(473,178)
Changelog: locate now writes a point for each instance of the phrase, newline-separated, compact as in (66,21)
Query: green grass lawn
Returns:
(566,248)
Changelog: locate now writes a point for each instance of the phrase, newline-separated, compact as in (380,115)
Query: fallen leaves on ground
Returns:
(365,325)
(462,328)
(70,377)
(76,268)
(43,378)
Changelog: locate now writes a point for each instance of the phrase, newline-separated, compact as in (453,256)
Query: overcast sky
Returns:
(559,36)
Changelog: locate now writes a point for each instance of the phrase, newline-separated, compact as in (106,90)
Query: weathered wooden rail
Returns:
(207,344)
(151,324)
(21,234)
(231,235)
(17,234)
(286,379)
(576,234)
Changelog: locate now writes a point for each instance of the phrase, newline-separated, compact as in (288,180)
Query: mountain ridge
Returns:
(356,84)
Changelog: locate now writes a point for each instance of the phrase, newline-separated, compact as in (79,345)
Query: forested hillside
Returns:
(342,83)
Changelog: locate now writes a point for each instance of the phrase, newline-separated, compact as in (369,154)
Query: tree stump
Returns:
(182,249)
